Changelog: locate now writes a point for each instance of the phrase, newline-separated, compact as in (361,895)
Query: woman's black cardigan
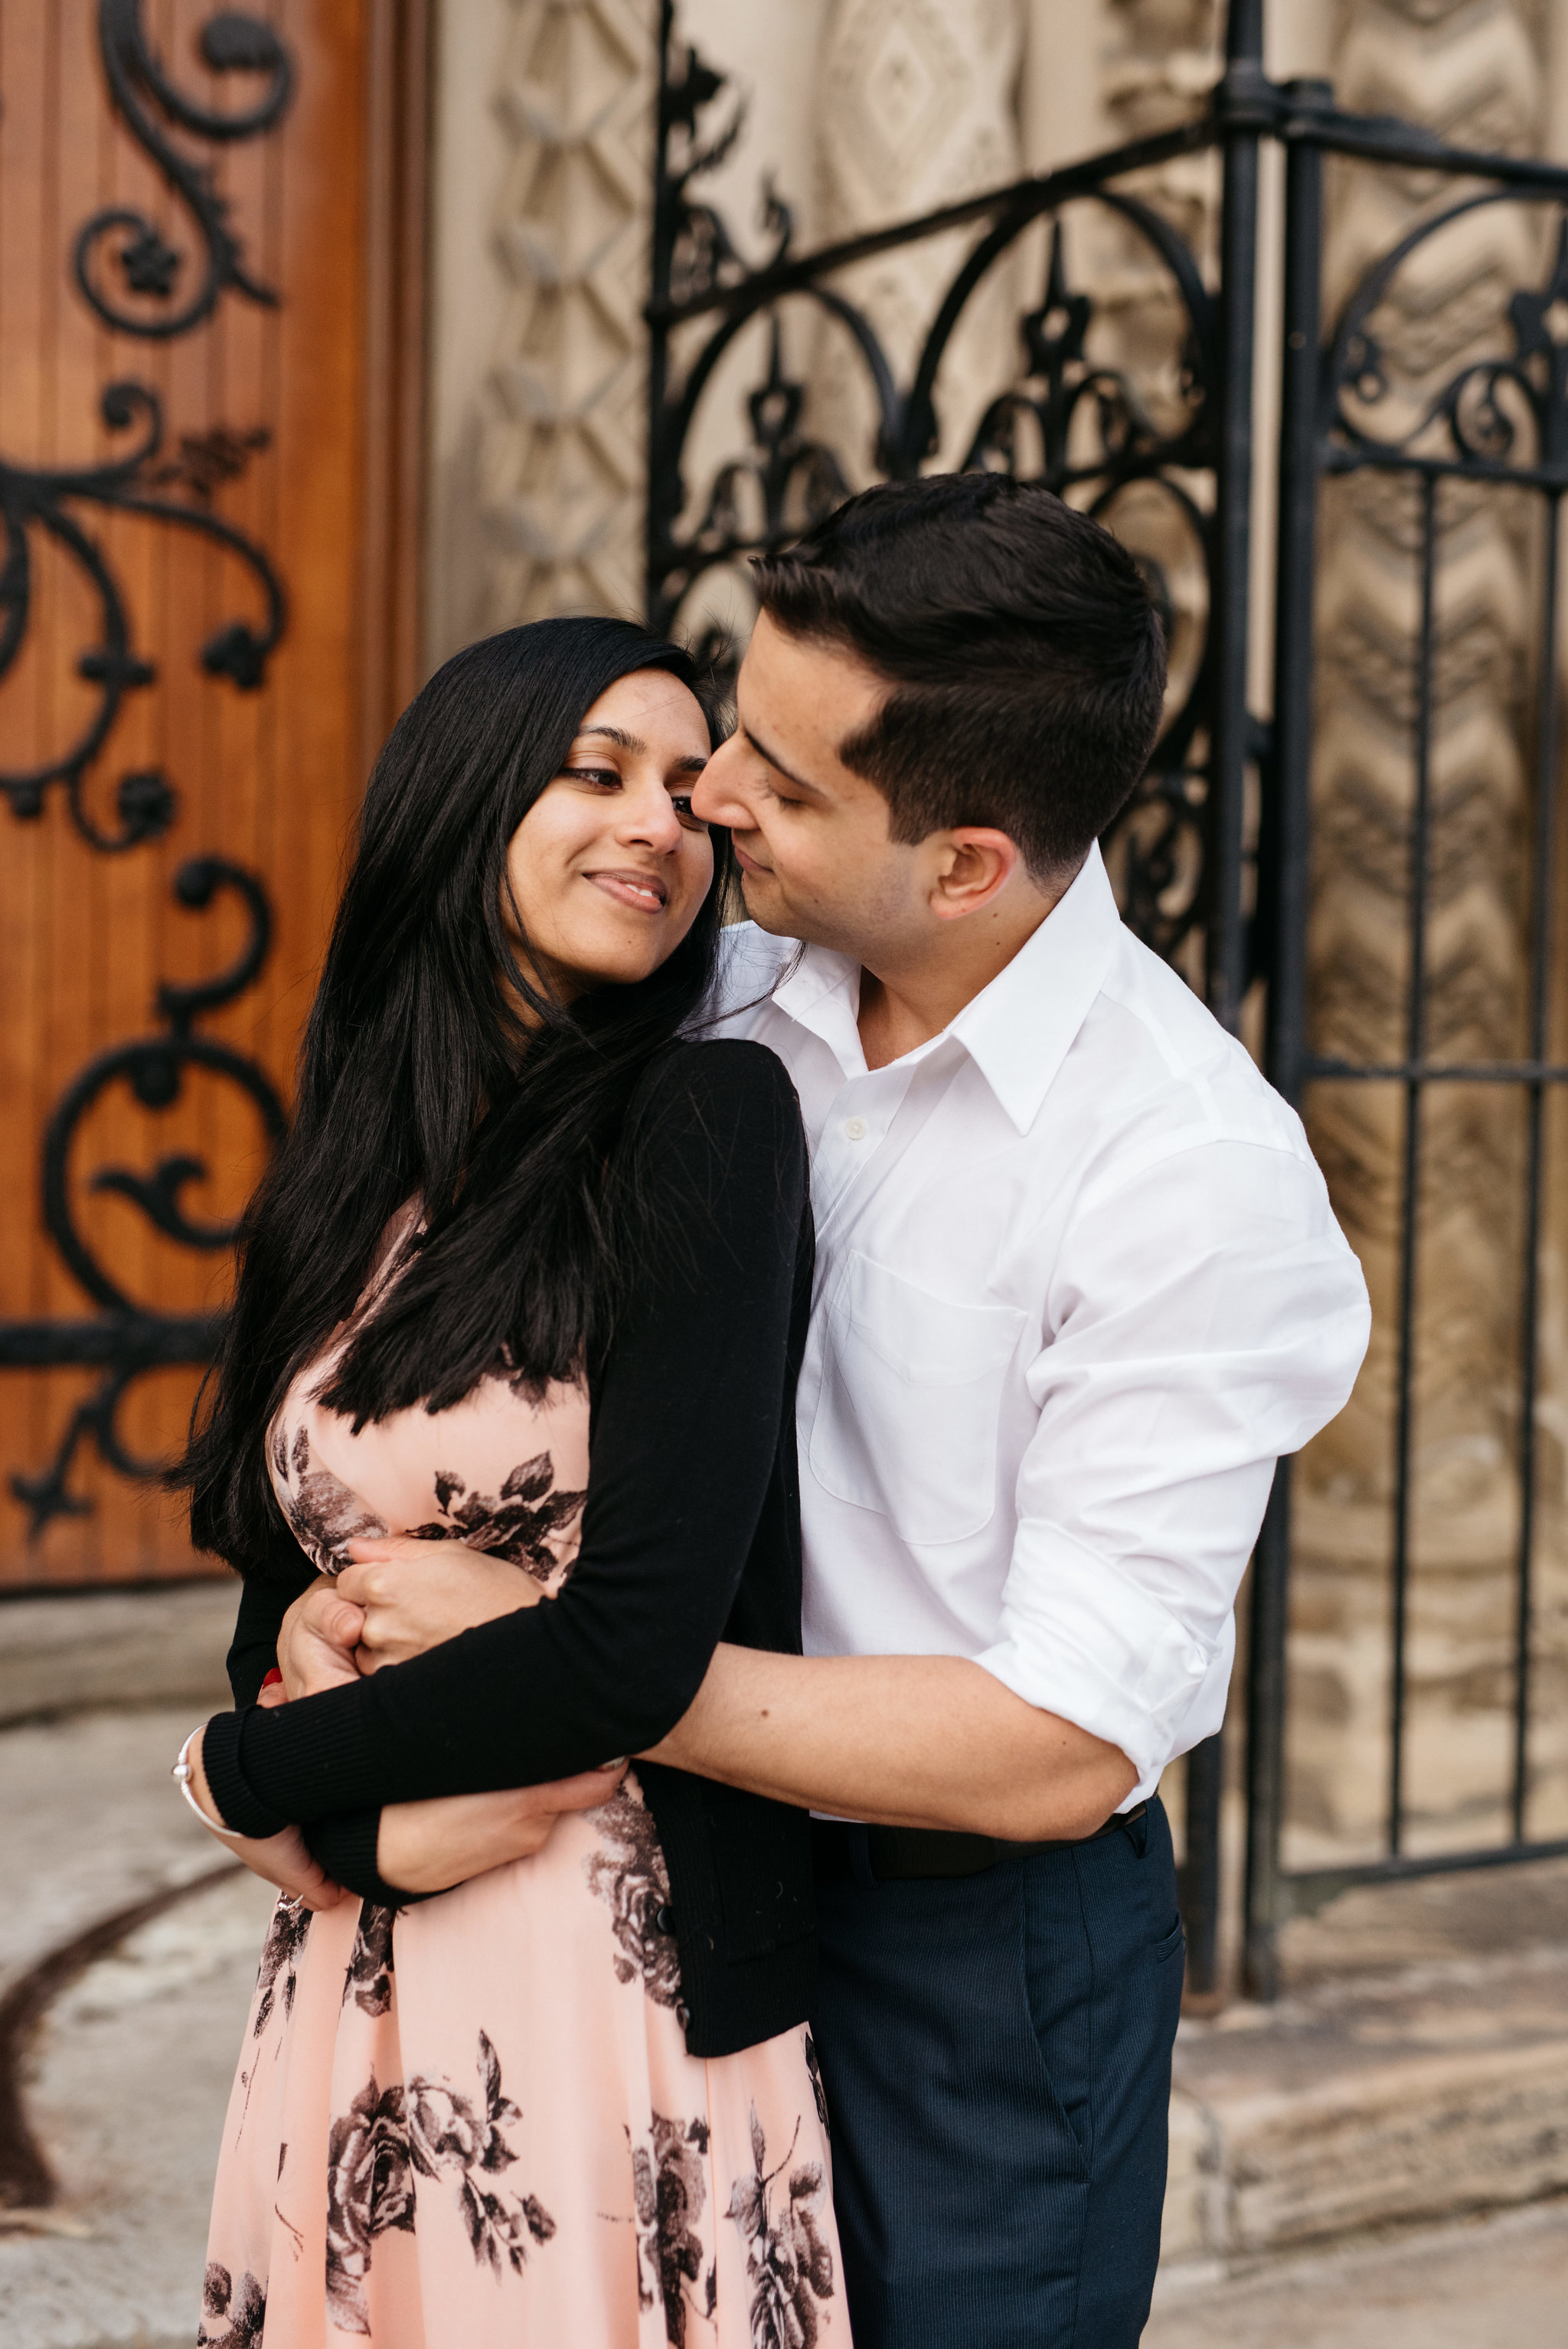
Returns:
(690,1534)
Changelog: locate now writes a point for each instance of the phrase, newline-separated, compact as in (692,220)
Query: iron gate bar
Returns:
(1226,962)
(1540,946)
(1416,1032)
(1283,911)
(1431,1073)
(1304,1891)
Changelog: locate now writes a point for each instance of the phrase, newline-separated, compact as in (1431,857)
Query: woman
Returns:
(534,1271)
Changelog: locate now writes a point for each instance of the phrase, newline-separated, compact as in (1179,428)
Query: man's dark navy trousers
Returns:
(995,2050)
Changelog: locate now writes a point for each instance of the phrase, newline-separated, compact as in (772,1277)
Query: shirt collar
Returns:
(1019,1029)
(820,991)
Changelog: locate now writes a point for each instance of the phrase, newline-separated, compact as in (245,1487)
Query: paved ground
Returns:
(1498,2285)
(130,2089)
(132,2068)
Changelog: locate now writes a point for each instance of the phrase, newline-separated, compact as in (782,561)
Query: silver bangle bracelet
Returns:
(181,1771)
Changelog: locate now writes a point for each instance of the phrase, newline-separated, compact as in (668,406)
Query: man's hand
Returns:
(281,1859)
(317,1642)
(413,1595)
(430,1846)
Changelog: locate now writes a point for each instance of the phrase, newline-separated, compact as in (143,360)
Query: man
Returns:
(1079,1287)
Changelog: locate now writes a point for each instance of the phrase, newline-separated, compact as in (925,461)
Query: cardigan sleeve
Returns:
(686,1434)
(264,1600)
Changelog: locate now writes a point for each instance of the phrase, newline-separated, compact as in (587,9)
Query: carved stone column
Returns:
(1477,74)
(538,467)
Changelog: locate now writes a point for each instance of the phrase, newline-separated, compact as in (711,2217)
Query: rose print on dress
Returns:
(632,1880)
(239,2311)
(324,1515)
(280,1956)
(369,1981)
(788,2265)
(389,2136)
(670,2187)
(369,2190)
(527,1522)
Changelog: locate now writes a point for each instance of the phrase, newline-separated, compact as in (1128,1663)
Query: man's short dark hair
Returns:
(1026,659)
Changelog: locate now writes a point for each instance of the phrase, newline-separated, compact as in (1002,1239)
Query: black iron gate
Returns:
(1212,861)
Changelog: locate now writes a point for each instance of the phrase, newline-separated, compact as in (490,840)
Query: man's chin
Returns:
(763,903)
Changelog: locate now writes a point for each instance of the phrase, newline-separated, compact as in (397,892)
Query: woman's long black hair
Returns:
(416,1078)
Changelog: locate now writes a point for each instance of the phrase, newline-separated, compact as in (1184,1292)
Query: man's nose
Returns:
(715,795)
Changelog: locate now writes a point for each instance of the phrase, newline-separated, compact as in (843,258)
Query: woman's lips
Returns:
(643,892)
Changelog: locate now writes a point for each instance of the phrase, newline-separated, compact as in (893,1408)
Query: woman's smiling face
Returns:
(609,866)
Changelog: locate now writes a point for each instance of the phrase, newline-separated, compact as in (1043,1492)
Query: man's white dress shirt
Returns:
(1079,1286)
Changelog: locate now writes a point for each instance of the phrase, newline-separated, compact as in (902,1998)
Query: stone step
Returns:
(1412,2094)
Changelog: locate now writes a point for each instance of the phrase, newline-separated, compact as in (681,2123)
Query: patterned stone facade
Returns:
(546,475)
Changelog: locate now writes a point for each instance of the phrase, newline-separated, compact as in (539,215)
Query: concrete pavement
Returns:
(1374,2092)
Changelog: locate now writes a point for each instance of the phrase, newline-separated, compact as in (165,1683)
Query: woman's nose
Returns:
(649,815)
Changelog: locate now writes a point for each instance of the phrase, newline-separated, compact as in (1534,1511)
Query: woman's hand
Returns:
(430,1846)
(413,1595)
(281,1859)
(317,1642)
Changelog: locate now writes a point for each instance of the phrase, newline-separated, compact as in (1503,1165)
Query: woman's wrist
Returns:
(192,1782)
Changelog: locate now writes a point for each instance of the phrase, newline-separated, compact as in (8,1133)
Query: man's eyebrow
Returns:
(690,765)
(776,761)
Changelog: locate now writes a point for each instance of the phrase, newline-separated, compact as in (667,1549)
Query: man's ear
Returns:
(974,866)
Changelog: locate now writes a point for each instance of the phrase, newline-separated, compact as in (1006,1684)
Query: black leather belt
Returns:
(901,1854)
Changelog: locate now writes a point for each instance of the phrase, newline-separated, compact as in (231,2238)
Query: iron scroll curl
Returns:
(1470,411)
(40,499)
(126,1339)
(230,42)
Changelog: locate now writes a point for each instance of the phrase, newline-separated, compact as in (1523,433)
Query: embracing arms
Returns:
(685,1444)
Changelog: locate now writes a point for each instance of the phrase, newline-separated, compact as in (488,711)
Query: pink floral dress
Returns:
(473,2124)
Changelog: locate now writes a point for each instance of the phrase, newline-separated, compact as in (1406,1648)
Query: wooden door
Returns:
(209,450)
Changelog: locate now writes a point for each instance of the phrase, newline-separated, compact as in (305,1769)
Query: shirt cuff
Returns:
(1082,1640)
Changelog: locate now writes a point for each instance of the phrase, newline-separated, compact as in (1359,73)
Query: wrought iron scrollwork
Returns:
(127,1340)
(230,42)
(1472,424)
(1069,419)
(40,499)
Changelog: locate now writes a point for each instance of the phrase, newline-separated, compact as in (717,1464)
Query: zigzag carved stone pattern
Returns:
(562,449)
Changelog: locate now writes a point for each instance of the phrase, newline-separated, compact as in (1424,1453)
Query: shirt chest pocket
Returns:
(912,1392)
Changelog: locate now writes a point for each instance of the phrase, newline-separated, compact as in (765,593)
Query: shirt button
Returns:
(856,1127)
(665,1918)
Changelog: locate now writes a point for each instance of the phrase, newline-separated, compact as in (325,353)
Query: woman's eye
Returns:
(681,802)
(605,776)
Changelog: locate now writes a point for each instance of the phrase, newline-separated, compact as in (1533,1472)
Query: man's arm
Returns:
(900,1741)
(1200,1329)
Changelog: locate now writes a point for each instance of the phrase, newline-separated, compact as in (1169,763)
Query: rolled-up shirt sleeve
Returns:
(1206,1317)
